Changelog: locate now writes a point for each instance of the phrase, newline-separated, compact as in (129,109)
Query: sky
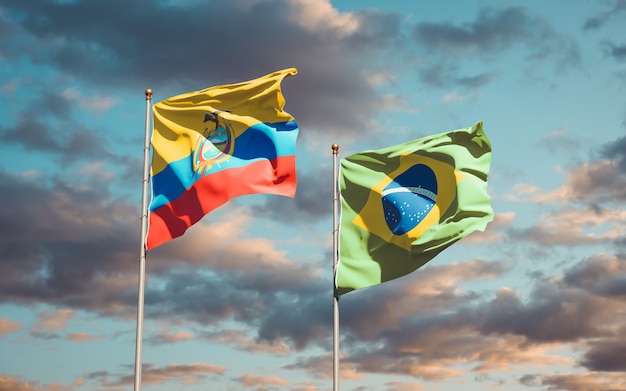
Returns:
(243,300)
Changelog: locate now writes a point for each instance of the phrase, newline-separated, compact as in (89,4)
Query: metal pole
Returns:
(144,231)
(335,148)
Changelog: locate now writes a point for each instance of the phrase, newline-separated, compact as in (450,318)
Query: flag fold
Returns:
(212,145)
(402,205)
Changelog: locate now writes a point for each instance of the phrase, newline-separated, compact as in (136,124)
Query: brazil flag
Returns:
(403,205)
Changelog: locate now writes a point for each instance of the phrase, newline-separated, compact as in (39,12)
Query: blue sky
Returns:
(243,301)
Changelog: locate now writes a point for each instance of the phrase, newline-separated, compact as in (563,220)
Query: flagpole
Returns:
(335,148)
(144,231)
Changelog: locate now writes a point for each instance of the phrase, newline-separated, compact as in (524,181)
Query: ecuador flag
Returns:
(216,144)
(403,205)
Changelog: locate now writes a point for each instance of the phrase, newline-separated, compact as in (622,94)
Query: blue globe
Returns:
(409,198)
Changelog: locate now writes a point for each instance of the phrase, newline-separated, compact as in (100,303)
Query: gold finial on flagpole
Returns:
(335,148)
(148,93)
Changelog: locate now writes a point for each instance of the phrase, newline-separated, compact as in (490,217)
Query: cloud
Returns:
(9,86)
(321,17)
(321,366)
(8,326)
(494,30)
(592,193)
(305,386)
(598,21)
(249,280)
(45,262)
(50,321)
(253,380)
(68,141)
(476,81)
(151,374)
(602,275)
(384,331)
(494,233)
(93,103)
(255,261)
(584,381)
(559,140)
(10,383)
(313,200)
(608,355)
(166,337)
(327,96)
(453,97)
(593,183)
(575,227)
(405,386)
(616,151)
(554,315)
(615,51)
(387,306)
(83,337)
(239,339)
